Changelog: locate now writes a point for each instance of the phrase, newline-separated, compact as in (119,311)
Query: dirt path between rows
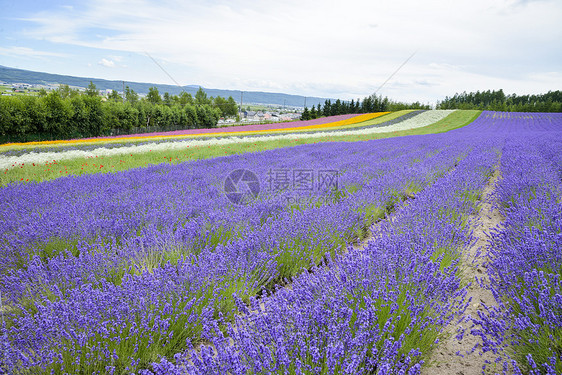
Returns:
(445,359)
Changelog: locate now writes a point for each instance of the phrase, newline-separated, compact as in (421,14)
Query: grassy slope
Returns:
(116,163)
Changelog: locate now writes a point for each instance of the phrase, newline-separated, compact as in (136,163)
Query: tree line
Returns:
(369,104)
(67,113)
(498,101)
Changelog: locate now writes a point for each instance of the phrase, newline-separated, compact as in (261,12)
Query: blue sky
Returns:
(314,48)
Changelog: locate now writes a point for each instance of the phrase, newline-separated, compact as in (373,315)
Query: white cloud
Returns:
(321,48)
(107,63)
(28,52)
(116,58)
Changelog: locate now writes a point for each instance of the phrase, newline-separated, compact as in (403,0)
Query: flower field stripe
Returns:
(21,151)
(128,272)
(331,121)
(106,164)
(370,310)
(382,121)
(358,119)
(111,250)
(10,162)
(257,348)
(33,157)
(423,119)
(525,252)
(455,354)
(341,123)
(238,130)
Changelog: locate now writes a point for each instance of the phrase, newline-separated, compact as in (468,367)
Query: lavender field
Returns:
(328,258)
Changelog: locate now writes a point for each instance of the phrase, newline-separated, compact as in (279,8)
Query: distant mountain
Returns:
(13,75)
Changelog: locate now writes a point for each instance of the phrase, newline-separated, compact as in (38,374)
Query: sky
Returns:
(424,50)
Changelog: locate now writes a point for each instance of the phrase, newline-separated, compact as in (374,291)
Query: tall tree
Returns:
(58,114)
(305,114)
(201,97)
(114,96)
(231,107)
(185,98)
(327,111)
(131,96)
(153,96)
(313,113)
(64,91)
(167,99)
(92,90)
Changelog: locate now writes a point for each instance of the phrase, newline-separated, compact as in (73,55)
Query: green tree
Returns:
(207,116)
(201,97)
(185,98)
(64,91)
(313,113)
(305,114)
(228,107)
(153,96)
(154,115)
(231,107)
(5,117)
(20,116)
(191,116)
(80,119)
(94,110)
(91,90)
(114,96)
(336,108)
(167,99)
(131,96)
(327,111)
(58,115)
(220,103)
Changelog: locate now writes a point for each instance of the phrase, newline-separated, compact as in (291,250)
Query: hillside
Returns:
(12,75)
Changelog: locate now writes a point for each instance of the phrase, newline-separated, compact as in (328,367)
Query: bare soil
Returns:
(445,359)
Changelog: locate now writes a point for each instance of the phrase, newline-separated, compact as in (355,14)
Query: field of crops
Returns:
(337,254)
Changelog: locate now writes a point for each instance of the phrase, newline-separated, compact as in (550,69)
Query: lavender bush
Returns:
(118,270)
(156,270)
(369,311)
(525,252)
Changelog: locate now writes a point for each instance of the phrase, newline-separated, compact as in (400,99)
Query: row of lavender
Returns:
(375,310)
(141,295)
(526,252)
(117,270)
(358,316)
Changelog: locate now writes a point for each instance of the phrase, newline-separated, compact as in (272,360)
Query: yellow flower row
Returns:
(341,123)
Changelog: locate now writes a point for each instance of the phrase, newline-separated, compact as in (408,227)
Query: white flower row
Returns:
(7,162)
(423,119)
